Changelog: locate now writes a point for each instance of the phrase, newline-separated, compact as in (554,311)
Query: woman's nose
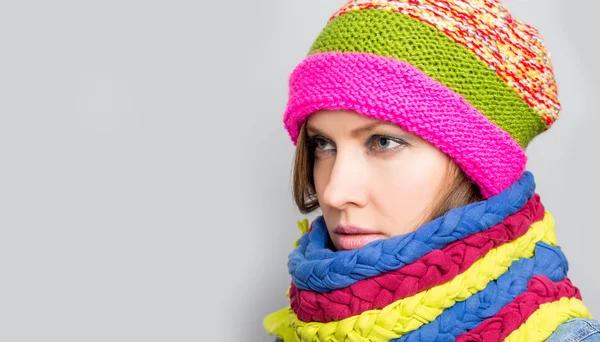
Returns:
(347,185)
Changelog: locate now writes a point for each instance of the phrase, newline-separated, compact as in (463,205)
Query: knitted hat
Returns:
(462,74)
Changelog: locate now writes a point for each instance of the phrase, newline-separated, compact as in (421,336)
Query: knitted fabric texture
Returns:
(464,75)
(434,268)
(540,290)
(487,271)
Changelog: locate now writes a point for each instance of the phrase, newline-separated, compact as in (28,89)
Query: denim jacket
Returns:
(573,330)
(577,329)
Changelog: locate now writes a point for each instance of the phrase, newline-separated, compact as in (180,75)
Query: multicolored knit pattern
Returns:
(488,271)
(464,75)
(511,48)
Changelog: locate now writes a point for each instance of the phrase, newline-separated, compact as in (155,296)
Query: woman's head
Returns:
(371,175)
(465,106)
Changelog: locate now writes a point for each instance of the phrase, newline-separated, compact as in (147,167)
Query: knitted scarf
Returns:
(487,271)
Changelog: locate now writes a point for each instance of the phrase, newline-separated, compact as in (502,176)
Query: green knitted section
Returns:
(399,36)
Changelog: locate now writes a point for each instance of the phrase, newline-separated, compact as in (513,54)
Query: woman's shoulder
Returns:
(577,329)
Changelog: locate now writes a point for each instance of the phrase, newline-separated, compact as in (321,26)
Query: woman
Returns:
(411,120)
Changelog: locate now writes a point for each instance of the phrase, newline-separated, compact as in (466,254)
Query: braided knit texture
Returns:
(408,314)
(548,262)
(511,48)
(434,268)
(500,276)
(544,321)
(540,290)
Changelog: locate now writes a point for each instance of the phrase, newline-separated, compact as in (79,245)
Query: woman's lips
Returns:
(354,241)
(352,237)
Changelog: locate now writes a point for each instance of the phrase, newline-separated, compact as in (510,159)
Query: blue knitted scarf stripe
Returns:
(315,267)
(466,315)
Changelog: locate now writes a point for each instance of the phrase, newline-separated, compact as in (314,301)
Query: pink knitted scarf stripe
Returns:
(540,290)
(392,90)
(434,268)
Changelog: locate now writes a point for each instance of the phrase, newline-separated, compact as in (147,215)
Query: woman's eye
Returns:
(323,144)
(385,143)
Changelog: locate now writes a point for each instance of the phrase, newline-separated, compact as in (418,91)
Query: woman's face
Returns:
(373,179)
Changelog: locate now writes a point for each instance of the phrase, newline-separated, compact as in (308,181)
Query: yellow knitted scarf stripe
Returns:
(408,314)
(545,320)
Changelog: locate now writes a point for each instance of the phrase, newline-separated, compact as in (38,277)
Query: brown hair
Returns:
(458,192)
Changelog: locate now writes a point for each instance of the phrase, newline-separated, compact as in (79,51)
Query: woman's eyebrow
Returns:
(314,130)
(367,128)
(355,132)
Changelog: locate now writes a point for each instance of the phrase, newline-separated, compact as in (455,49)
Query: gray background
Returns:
(145,171)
